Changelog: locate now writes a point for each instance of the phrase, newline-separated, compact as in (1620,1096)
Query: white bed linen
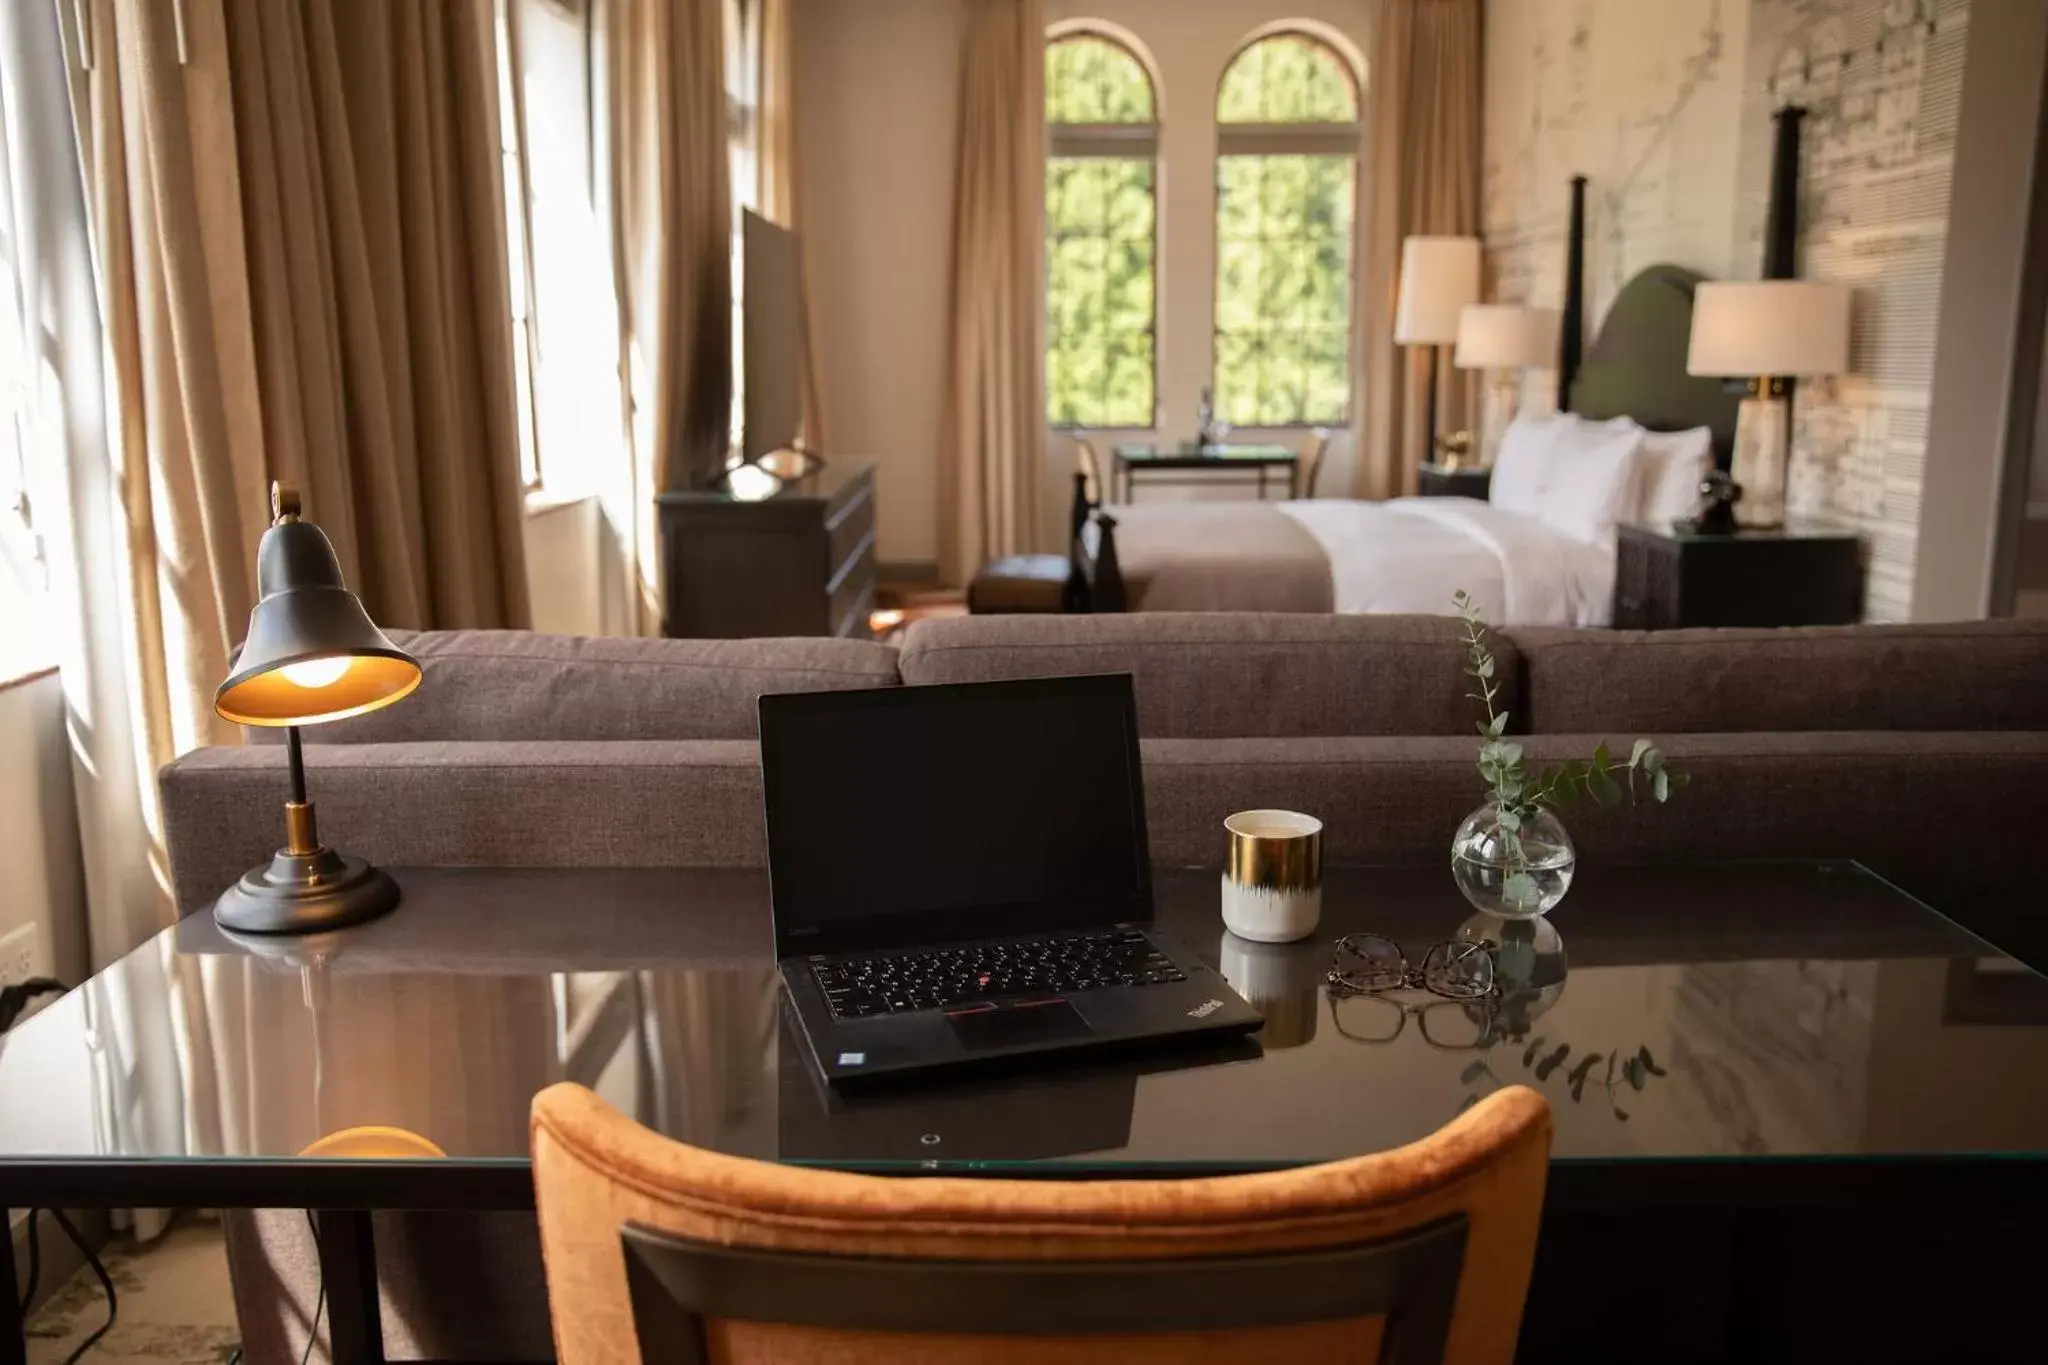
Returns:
(1408,555)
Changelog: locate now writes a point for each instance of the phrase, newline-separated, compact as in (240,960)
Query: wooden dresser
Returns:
(799,563)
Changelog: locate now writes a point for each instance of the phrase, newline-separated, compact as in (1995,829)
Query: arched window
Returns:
(1286,194)
(1101,241)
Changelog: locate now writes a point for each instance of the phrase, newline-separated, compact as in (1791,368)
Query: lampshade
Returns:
(1439,276)
(312,653)
(1765,328)
(1506,336)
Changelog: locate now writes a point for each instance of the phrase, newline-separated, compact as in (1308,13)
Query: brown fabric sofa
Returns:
(1921,750)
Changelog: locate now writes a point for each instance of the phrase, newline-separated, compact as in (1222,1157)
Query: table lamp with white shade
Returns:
(1767,331)
(1439,276)
(1504,339)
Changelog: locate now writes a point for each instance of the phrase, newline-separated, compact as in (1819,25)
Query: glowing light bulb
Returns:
(316,673)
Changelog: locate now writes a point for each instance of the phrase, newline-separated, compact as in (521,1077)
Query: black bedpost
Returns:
(1571,335)
(1074,597)
(1781,215)
(1106,591)
(1781,218)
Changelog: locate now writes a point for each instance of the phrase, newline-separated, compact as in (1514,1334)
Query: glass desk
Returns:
(1169,463)
(1706,1036)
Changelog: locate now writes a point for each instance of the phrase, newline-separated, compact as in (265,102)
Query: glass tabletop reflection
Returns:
(1766,1010)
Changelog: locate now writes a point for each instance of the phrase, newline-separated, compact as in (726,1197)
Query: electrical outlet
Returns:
(21,955)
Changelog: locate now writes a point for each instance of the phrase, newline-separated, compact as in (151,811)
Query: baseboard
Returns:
(908,573)
(60,1259)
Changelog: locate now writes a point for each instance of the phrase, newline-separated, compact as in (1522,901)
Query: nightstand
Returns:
(1442,481)
(1807,574)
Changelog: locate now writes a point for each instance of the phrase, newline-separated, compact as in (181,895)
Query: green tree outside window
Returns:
(1286,190)
(1101,234)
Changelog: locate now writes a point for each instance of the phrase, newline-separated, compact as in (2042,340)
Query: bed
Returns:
(1406,555)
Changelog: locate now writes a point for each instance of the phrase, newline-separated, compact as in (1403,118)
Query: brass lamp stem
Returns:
(301,838)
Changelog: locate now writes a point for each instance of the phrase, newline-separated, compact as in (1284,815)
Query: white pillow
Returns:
(1669,467)
(1521,467)
(1591,486)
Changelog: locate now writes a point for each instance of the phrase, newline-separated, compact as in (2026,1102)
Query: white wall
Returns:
(877,124)
(39,850)
(877,129)
(1991,279)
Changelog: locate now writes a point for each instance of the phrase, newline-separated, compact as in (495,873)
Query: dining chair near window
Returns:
(1090,464)
(1312,452)
(657,1250)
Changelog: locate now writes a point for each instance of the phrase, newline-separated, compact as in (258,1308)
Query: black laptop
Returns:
(960,872)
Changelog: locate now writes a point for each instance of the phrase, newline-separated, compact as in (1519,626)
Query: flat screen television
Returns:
(771,329)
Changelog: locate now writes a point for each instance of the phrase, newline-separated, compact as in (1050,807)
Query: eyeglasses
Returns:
(1368,966)
(1447,1025)
(1372,964)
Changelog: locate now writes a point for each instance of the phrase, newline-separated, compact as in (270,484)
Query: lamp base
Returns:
(303,893)
(1762,426)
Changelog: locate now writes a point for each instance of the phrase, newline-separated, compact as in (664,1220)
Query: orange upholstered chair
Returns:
(1422,1253)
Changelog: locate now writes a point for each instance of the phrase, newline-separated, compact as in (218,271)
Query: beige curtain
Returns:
(163,465)
(780,200)
(992,444)
(671,221)
(1421,176)
(366,133)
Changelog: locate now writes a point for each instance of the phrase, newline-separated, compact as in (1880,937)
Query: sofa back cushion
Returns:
(1205,675)
(1975,675)
(515,685)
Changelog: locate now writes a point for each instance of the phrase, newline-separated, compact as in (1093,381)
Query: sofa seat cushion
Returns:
(1975,675)
(516,685)
(1203,675)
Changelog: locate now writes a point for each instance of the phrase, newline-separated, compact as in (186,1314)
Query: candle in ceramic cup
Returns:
(1273,883)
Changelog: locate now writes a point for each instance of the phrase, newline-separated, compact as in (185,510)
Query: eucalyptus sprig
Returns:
(1518,792)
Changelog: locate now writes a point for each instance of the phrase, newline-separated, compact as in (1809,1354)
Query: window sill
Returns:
(540,502)
(21,675)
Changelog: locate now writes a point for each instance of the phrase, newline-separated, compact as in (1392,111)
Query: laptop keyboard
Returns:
(941,978)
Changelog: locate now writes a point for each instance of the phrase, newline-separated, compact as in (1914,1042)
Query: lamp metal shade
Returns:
(312,653)
(1764,328)
(1439,276)
(1506,336)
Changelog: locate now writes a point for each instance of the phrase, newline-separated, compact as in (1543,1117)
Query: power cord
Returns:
(35,1264)
(319,1300)
(35,1267)
(14,999)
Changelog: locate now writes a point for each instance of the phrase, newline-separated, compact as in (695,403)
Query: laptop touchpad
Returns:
(1050,1021)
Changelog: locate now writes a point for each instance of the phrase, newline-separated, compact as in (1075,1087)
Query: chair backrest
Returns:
(1312,459)
(1090,465)
(660,1251)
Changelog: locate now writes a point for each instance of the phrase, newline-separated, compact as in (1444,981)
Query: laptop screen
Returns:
(916,815)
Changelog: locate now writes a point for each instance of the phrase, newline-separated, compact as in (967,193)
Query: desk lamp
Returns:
(312,655)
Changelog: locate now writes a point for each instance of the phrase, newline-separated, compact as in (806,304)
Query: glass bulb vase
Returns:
(1516,874)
